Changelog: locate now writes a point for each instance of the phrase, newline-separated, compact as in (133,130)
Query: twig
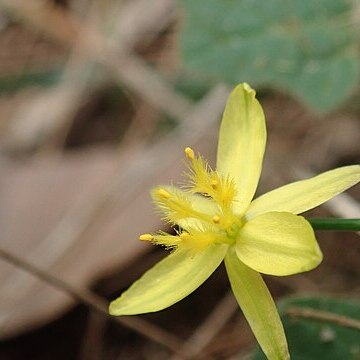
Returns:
(203,335)
(33,117)
(91,348)
(96,303)
(325,316)
(127,68)
(138,21)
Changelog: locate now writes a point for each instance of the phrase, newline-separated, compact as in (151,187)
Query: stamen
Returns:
(184,236)
(146,237)
(214,184)
(216,219)
(189,152)
(164,194)
(198,240)
(175,204)
(164,239)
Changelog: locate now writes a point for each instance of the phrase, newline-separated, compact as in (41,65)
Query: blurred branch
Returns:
(33,122)
(325,316)
(96,303)
(203,335)
(127,68)
(42,16)
(149,20)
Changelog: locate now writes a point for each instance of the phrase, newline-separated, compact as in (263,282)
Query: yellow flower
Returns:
(218,221)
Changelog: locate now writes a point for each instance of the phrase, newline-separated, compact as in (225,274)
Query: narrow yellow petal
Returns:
(168,281)
(258,307)
(241,145)
(278,243)
(304,195)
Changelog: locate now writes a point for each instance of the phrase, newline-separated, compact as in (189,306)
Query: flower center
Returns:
(203,210)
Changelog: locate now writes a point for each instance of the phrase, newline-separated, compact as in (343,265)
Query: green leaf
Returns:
(305,47)
(258,307)
(192,86)
(311,339)
(15,82)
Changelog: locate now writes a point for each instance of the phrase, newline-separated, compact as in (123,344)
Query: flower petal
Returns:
(258,307)
(303,195)
(278,243)
(169,281)
(241,145)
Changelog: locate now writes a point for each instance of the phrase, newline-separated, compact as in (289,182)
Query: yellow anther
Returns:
(215,219)
(189,152)
(146,237)
(163,193)
(184,236)
(214,183)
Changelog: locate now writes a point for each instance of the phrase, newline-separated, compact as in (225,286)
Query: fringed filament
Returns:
(175,205)
(206,181)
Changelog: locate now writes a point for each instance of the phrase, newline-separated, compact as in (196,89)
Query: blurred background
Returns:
(98,99)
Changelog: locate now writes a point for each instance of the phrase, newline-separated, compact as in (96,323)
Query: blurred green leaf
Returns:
(193,87)
(303,46)
(310,339)
(12,83)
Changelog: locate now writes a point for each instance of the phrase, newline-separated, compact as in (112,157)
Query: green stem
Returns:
(335,224)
